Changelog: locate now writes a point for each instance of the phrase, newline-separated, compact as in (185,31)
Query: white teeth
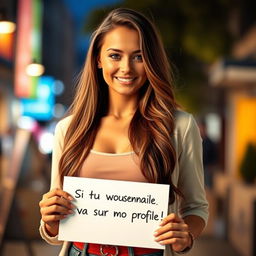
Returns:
(124,79)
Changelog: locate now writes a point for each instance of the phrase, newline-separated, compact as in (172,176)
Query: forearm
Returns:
(195,224)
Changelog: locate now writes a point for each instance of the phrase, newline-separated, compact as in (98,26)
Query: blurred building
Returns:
(24,167)
(236,78)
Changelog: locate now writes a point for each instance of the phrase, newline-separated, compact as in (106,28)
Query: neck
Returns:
(122,106)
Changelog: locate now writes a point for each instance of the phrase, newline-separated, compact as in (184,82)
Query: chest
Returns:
(112,136)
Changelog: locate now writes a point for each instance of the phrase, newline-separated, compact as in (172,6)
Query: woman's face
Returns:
(121,61)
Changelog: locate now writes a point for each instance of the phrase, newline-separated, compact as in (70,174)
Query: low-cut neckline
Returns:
(111,154)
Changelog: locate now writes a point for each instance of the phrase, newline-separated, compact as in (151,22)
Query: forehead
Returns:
(123,38)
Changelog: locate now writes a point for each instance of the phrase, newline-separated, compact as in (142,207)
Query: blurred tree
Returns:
(195,33)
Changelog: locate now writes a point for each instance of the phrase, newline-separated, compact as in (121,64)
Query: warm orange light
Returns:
(245,124)
(6,46)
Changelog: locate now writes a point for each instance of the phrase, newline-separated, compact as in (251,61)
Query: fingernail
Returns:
(70,211)
(70,198)
(155,233)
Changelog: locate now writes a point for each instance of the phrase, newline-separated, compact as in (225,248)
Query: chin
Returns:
(127,92)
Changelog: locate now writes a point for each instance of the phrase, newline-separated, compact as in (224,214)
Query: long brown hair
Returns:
(151,128)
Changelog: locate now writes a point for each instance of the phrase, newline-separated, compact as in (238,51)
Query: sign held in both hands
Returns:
(114,212)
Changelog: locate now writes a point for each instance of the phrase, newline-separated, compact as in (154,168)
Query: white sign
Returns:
(114,212)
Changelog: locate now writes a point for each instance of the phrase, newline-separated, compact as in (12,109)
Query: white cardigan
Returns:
(187,174)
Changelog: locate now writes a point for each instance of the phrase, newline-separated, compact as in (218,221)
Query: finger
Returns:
(58,192)
(171,226)
(171,218)
(174,241)
(53,218)
(56,210)
(171,234)
(56,200)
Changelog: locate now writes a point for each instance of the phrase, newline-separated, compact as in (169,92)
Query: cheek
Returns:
(141,69)
(108,67)
(143,73)
(108,72)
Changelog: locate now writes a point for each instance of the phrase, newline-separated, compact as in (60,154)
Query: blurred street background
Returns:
(212,47)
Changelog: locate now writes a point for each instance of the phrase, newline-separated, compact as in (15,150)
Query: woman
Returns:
(124,124)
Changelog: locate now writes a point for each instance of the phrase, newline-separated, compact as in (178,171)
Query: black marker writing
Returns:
(79,193)
(82,211)
(149,215)
(132,199)
(119,214)
(94,195)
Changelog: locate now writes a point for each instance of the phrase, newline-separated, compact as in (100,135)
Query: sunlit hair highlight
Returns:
(151,128)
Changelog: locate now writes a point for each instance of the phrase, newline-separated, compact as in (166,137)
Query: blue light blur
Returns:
(40,108)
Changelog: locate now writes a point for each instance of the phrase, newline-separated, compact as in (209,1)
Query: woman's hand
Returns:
(55,206)
(173,231)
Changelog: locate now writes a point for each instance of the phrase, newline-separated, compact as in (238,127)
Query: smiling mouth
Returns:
(125,80)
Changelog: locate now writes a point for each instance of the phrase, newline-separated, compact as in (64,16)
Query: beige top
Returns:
(187,174)
(124,166)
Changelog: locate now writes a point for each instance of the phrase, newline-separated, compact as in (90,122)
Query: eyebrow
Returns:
(118,50)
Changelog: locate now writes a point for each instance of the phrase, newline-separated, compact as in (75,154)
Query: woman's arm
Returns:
(55,204)
(195,225)
(180,230)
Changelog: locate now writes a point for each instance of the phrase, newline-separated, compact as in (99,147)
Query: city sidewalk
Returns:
(204,246)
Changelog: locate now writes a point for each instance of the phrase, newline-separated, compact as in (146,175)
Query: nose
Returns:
(126,65)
